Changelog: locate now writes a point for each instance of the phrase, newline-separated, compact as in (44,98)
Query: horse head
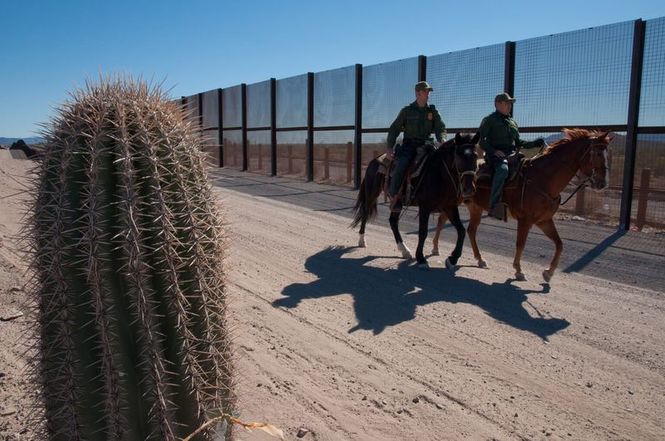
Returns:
(595,168)
(466,163)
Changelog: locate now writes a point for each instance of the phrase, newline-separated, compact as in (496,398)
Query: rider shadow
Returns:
(387,297)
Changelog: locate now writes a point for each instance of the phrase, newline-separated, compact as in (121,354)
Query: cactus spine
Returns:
(127,246)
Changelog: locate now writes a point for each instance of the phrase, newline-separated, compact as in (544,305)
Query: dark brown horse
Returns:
(535,194)
(447,178)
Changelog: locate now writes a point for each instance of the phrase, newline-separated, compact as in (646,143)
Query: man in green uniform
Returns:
(418,121)
(499,138)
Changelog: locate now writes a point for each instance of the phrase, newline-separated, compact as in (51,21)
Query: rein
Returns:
(587,179)
(455,183)
(576,190)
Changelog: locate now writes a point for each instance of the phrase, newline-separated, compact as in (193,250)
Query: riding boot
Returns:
(500,175)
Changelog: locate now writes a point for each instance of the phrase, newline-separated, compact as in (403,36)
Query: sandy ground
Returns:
(358,344)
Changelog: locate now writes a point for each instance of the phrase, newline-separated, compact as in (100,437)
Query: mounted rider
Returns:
(500,138)
(418,121)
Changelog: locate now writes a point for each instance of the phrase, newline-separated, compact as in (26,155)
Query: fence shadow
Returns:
(388,297)
(593,253)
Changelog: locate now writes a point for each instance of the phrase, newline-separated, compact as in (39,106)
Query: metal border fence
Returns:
(312,162)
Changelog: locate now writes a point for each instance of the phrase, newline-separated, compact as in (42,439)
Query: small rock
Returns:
(631,392)
(416,400)
(10,314)
(588,384)
(8,411)
(515,415)
(302,432)
(364,397)
(438,406)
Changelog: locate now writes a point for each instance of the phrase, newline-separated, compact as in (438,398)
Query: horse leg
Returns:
(437,234)
(550,231)
(453,214)
(394,225)
(423,224)
(475,213)
(523,228)
(361,235)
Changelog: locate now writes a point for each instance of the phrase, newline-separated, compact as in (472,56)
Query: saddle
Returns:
(413,171)
(486,171)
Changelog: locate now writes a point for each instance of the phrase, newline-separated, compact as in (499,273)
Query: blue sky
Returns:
(48,48)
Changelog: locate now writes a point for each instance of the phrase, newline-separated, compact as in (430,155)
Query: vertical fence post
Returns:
(509,71)
(579,202)
(326,163)
(259,148)
(220,126)
(245,156)
(273,127)
(349,161)
(310,127)
(643,198)
(290,158)
(358,128)
(200,111)
(422,68)
(632,123)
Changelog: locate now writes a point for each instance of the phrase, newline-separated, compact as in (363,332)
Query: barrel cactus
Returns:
(127,245)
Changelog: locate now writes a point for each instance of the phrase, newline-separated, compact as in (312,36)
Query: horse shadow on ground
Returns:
(384,297)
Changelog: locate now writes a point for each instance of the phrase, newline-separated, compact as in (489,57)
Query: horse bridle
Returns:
(457,184)
(592,177)
(583,176)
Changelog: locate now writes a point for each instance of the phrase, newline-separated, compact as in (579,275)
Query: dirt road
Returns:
(342,343)
(357,344)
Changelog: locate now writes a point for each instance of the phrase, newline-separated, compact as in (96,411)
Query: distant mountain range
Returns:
(31,140)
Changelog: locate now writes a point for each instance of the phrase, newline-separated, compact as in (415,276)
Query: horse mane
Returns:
(571,135)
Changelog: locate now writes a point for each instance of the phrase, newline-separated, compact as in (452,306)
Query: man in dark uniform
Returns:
(418,121)
(499,138)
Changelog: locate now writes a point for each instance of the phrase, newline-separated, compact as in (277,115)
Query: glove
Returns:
(540,142)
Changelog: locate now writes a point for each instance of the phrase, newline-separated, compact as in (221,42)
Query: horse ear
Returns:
(476,138)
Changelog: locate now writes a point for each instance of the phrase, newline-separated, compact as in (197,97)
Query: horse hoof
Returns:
(547,276)
(361,242)
(520,277)
(406,252)
(423,266)
(482,264)
(449,264)
(435,251)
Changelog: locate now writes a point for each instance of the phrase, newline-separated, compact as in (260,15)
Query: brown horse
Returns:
(535,194)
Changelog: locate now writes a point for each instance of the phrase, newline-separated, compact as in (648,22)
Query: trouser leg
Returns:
(403,158)
(500,175)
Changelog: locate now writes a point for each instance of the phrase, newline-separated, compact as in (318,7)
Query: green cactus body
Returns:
(128,244)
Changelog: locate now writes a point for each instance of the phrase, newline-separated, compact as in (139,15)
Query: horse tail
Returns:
(365,208)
